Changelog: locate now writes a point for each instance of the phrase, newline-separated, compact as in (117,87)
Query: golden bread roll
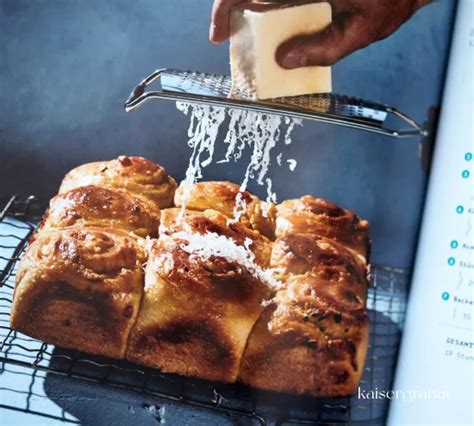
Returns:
(258,215)
(311,340)
(297,254)
(211,221)
(317,323)
(196,313)
(135,174)
(103,207)
(81,289)
(315,216)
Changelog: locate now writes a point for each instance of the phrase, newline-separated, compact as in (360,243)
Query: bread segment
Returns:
(81,289)
(317,322)
(221,196)
(103,207)
(137,175)
(196,313)
(211,221)
(318,217)
(299,254)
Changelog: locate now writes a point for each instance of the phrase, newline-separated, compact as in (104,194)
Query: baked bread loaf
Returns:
(315,216)
(221,196)
(81,289)
(274,299)
(103,207)
(317,323)
(196,314)
(137,175)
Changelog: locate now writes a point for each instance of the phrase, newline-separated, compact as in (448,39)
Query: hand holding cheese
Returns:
(257,29)
(356,24)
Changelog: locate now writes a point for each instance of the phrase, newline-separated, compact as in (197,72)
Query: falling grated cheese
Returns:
(246,129)
(292,164)
(203,129)
(278,158)
(211,244)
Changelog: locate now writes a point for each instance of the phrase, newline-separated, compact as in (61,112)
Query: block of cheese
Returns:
(257,30)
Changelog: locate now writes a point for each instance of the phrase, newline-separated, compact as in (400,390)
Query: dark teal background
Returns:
(66,67)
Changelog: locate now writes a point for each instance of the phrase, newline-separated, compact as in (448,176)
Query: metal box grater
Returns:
(214,89)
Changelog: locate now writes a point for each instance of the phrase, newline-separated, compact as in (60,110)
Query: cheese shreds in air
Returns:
(259,133)
(203,129)
(291,122)
(247,130)
(278,158)
(211,244)
(292,164)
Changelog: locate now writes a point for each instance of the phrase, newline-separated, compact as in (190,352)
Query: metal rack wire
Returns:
(36,361)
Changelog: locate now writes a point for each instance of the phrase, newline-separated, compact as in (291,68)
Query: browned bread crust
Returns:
(135,174)
(221,196)
(211,221)
(103,207)
(298,254)
(317,322)
(315,216)
(81,289)
(196,313)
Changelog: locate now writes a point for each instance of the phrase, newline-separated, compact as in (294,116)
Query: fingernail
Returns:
(294,60)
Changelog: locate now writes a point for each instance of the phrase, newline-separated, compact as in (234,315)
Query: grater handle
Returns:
(139,93)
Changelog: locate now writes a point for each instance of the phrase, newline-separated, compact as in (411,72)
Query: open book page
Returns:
(435,370)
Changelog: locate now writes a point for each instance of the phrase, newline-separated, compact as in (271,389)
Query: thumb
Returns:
(323,48)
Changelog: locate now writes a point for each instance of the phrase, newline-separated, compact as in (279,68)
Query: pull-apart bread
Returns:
(273,297)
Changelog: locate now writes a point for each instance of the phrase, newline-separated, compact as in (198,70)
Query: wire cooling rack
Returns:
(27,365)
